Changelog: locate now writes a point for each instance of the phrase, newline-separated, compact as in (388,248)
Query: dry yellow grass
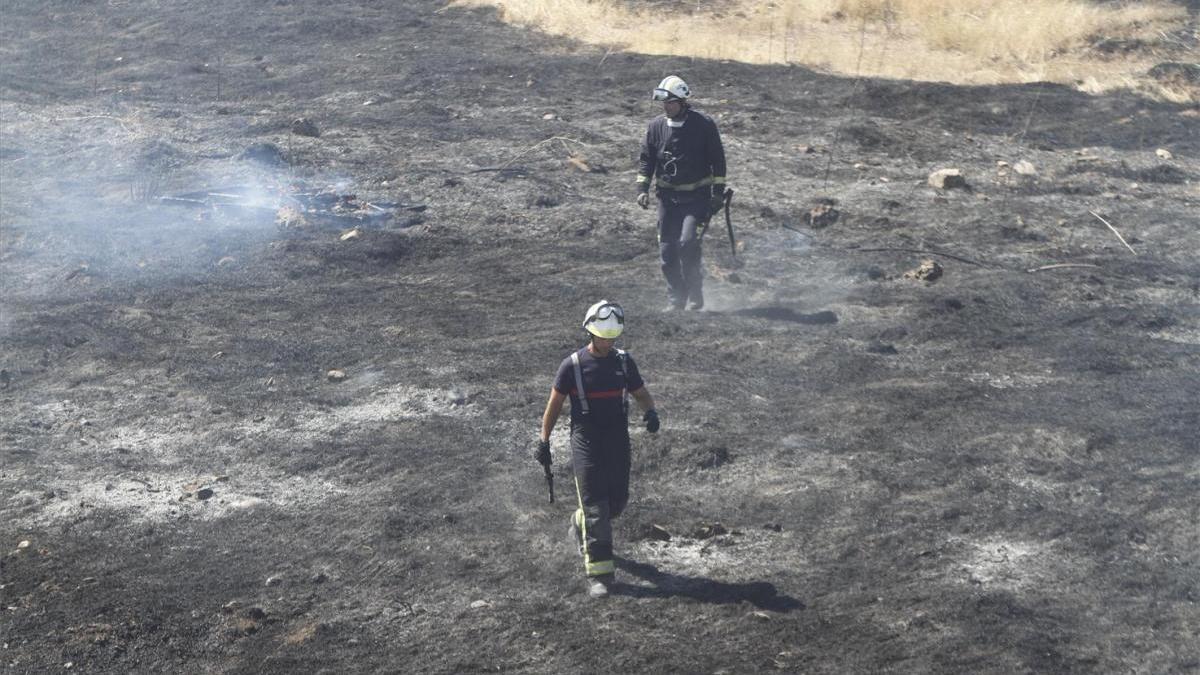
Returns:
(965,42)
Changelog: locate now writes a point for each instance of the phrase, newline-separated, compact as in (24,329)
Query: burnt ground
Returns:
(994,471)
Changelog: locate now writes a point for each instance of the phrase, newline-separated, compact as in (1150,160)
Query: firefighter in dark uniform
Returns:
(682,152)
(598,379)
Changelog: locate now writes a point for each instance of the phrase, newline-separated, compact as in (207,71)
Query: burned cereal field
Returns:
(284,288)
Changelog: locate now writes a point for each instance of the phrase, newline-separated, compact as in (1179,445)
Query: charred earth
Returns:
(286,428)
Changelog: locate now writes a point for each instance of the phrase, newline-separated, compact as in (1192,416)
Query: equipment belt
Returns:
(686,187)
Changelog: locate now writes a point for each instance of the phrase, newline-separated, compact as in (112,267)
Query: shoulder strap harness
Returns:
(583,402)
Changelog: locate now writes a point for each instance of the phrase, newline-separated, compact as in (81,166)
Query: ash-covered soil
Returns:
(992,471)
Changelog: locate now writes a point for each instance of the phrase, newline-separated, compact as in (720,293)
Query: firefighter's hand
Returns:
(651,420)
(542,453)
(643,200)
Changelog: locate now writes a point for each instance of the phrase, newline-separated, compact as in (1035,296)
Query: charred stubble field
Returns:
(991,471)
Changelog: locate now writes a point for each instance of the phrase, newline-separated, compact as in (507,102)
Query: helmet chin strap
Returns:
(683,109)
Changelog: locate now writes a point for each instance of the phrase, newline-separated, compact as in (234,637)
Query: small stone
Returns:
(480,604)
(349,235)
(255,613)
(204,494)
(710,530)
(1163,153)
(821,215)
(549,116)
(302,126)
(658,533)
(318,578)
(928,271)
(945,179)
(24,543)
(231,606)
(760,616)
(1025,168)
(335,375)
(805,149)
(881,348)
(1001,164)
(274,580)
(263,153)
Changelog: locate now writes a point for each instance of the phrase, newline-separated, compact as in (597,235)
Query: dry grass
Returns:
(966,42)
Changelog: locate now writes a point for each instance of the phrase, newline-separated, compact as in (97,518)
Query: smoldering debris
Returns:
(297,204)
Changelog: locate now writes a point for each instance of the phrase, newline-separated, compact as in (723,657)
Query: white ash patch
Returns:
(1179,334)
(1053,445)
(393,404)
(1011,380)
(152,497)
(1008,564)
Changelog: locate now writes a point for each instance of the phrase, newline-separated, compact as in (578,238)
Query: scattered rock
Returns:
(480,604)
(24,543)
(714,457)
(350,235)
(1001,164)
(274,580)
(302,126)
(1025,168)
(821,215)
(231,606)
(1184,76)
(318,578)
(204,494)
(709,530)
(946,179)
(578,163)
(302,634)
(881,348)
(1163,153)
(805,149)
(263,153)
(658,533)
(759,616)
(549,116)
(255,613)
(335,375)
(928,270)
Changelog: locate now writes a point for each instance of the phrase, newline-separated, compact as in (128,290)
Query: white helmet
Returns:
(605,319)
(671,88)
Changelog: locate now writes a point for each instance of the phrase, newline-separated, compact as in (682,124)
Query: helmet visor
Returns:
(611,309)
(663,95)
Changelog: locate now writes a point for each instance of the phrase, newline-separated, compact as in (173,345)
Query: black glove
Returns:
(542,453)
(651,420)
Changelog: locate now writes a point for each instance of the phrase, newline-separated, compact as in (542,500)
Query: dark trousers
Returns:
(600,458)
(681,222)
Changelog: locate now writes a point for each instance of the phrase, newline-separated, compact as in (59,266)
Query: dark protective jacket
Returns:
(682,158)
(605,381)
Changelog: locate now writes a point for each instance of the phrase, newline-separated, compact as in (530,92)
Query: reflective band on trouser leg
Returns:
(583,404)
(592,569)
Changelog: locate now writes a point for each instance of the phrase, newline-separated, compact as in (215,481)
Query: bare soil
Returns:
(993,471)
